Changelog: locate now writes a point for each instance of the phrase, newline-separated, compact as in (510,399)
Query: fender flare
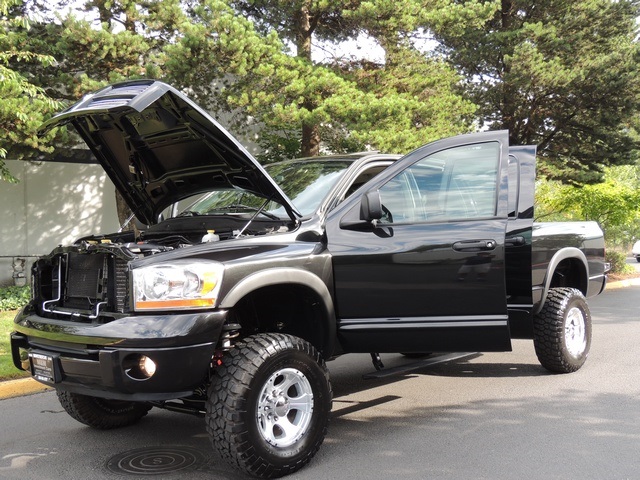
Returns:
(559,256)
(279,276)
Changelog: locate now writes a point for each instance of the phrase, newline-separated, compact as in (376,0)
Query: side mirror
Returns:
(370,213)
(371,206)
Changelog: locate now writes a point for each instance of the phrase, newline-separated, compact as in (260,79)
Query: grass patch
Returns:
(13,298)
(7,370)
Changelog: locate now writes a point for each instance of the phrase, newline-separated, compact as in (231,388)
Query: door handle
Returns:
(515,241)
(474,245)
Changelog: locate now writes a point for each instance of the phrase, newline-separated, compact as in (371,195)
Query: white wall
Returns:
(54,203)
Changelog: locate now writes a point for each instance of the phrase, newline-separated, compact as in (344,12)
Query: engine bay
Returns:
(183,232)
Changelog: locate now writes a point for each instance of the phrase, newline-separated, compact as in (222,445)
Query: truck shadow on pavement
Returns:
(399,368)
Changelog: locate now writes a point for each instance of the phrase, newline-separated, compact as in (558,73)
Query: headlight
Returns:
(177,286)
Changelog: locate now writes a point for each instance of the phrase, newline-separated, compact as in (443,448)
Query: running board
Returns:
(449,357)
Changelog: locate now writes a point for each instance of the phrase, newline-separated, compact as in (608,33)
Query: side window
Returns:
(363,177)
(402,200)
(454,184)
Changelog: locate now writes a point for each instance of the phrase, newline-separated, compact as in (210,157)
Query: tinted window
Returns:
(454,184)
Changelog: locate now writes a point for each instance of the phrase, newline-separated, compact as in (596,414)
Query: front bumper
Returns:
(95,359)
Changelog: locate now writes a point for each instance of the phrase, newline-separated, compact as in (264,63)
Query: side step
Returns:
(449,357)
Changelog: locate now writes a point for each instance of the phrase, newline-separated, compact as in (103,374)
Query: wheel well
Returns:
(287,308)
(570,272)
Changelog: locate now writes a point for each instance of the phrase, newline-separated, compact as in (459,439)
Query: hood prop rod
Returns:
(258,212)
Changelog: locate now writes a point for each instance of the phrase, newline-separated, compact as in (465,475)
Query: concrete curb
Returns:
(623,283)
(20,387)
(28,386)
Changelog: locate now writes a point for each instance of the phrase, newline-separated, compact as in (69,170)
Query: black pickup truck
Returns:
(241,281)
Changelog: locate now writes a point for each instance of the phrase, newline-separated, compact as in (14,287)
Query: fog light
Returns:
(147,366)
(139,367)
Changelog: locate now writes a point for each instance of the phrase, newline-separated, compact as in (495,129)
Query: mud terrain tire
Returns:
(268,405)
(562,331)
(102,413)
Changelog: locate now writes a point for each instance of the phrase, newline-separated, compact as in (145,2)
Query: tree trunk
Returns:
(310,141)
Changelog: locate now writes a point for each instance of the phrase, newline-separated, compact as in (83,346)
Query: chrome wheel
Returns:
(575,332)
(285,407)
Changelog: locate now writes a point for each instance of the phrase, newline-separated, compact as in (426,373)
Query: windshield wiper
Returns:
(189,213)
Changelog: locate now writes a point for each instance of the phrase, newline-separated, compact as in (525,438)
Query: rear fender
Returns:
(564,254)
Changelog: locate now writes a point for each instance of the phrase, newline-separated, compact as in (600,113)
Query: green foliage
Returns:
(12,298)
(328,21)
(412,102)
(278,144)
(23,104)
(7,368)
(55,60)
(557,74)
(618,261)
(396,106)
(614,204)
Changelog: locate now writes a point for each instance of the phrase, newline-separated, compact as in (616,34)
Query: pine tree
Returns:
(561,75)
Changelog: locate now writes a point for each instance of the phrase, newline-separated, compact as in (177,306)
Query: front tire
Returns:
(102,413)
(268,405)
(562,331)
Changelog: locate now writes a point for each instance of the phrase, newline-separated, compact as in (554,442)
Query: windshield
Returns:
(306,183)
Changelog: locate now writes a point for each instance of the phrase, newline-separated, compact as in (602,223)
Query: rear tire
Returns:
(102,413)
(268,405)
(562,331)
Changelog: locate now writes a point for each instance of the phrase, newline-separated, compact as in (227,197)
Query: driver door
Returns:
(427,272)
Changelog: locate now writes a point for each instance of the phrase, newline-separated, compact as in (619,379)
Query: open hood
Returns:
(159,147)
